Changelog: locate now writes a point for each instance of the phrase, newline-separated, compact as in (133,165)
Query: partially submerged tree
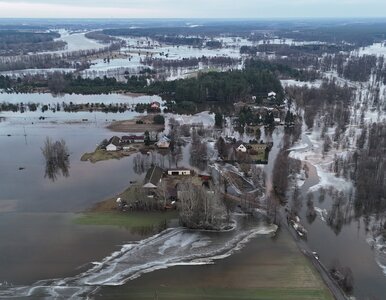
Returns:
(56,155)
(201,208)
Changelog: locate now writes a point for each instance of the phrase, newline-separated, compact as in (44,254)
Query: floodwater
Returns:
(41,241)
(347,247)
(39,238)
(77,42)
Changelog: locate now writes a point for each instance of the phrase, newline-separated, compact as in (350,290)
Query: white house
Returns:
(111,147)
(241,148)
(271,95)
(114,143)
(180,172)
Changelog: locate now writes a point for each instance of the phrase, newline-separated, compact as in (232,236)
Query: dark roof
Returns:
(115,141)
(153,175)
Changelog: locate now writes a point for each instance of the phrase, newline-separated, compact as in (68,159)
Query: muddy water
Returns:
(348,247)
(38,236)
(38,246)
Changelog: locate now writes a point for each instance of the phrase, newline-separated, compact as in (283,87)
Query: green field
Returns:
(101,155)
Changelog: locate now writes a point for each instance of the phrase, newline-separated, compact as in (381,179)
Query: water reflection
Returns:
(56,155)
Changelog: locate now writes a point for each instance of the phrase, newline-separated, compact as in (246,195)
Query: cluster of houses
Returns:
(125,142)
(116,143)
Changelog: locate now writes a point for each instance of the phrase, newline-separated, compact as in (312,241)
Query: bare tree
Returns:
(201,208)
(56,155)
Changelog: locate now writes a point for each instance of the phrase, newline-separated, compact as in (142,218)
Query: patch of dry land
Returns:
(267,268)
(101,154)
(133,127)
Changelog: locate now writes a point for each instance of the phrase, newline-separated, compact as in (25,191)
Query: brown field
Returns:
(132,126)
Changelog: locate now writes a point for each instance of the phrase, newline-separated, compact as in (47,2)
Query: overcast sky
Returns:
(191,8)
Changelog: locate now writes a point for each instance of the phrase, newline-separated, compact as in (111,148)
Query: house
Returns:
(153,177)
(113,144)
(272,95)
(155,105)
(128,139)
(163,143)
(276,120)
(241,148)
(179,172)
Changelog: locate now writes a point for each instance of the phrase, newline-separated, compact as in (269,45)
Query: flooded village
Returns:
(188,162)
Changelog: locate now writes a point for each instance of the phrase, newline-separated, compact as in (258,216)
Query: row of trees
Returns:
(220,61)
(366,166)
(74,59)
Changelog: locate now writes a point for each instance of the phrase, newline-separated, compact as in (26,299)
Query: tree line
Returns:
(16,42)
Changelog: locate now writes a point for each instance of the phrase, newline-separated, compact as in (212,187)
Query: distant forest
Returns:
(257,79)
(15,42)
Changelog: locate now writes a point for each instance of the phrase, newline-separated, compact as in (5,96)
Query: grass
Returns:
(100,155)
(260,156)
(225,293)
(128,220)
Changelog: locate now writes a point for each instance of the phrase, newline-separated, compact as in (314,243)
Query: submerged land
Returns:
(239,161)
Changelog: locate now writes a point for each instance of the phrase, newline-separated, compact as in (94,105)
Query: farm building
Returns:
(133,139)
(179,172)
